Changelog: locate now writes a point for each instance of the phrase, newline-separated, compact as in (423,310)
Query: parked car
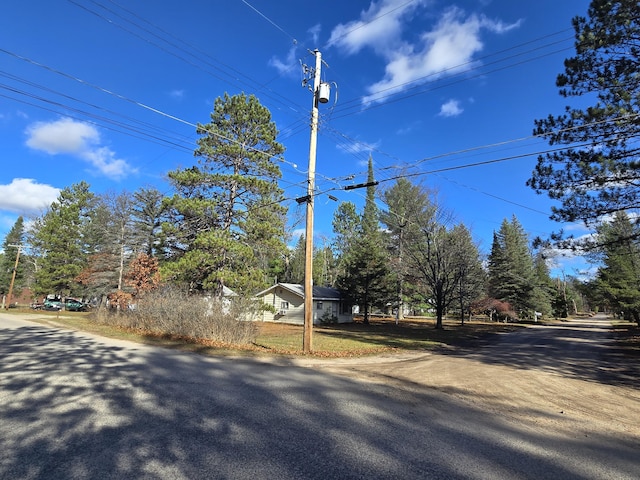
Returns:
(72,305)
(52,305)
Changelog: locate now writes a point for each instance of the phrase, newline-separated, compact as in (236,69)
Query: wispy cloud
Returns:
(26,196)
(177,94)
(78,139)
(446,49)
(357,148)
(451,108)
(287,66)
(290,64)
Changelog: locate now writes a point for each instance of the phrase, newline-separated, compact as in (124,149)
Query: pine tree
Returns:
(294,272)
(597,171)
(346,229)
(619,277)
(365,279)
(511,274)
(468,264)
(226,223)
(58,239)
(148,210)
(111,242)
(544,294)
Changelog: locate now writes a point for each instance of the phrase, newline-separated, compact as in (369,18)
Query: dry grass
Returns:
(337,340)
(380,335)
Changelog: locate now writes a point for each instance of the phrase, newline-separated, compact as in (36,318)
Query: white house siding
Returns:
(292,294)
(295,312)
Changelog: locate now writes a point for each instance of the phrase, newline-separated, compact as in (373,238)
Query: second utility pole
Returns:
(307,341)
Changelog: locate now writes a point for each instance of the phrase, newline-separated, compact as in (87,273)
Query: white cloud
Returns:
(448,48)
(79,139)
(289,65)
(177,94)
(355,147)
(451,108)
(315,33)
(379,27)
(62,136)
(24,196)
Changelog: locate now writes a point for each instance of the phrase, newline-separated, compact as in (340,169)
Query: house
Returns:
(288,301)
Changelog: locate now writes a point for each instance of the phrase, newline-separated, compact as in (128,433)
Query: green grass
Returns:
(343,340)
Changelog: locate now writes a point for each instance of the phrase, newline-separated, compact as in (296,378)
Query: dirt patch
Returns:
(570,377)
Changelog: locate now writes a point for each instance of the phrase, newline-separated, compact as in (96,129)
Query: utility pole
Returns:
(307,341)
(13,275)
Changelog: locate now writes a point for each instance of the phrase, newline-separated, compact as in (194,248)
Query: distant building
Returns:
(288,301)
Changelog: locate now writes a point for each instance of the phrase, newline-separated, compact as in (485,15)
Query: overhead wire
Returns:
(200,56)
(176,118)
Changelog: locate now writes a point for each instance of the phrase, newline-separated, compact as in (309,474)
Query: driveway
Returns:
(569,376)
(76,406)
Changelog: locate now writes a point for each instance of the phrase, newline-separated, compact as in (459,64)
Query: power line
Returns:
(200,56)
(270,21)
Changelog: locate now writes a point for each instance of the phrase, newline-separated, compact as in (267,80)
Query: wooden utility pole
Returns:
(13,275)
(307,341)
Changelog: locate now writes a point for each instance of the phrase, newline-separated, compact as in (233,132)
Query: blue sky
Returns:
(446,92)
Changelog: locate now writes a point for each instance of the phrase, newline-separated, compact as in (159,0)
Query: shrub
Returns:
(172,312)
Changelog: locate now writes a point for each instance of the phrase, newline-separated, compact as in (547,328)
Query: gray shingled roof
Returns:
(319,293)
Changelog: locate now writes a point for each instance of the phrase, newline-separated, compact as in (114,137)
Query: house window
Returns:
(319,305)
(284,305)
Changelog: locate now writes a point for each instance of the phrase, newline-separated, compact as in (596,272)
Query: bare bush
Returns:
(172,312)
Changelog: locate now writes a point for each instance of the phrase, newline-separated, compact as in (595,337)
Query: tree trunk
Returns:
(366,304)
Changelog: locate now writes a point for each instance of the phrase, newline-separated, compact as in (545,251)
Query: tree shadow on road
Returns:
(585,350)
(74,407)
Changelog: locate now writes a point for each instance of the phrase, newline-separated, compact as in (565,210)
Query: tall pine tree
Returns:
(226,222)
(595,173)
(59,240)
(619,277)
(511,274)
(365,279)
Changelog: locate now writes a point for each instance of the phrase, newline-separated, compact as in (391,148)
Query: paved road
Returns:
(74,406)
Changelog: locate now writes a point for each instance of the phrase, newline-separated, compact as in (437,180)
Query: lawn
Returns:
(335,340)
(380,335)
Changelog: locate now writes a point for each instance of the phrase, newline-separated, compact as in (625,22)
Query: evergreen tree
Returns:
(226,223)
(148,209)
(545,299)
(619,277)
(597,172)
(294,272)
(468,265)
(58,238)
(365,279)
(511,274)
(346,229)
(12,242)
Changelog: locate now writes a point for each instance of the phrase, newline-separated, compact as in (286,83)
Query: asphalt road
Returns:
(75,406)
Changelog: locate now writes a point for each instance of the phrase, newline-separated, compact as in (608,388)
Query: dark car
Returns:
(72,305)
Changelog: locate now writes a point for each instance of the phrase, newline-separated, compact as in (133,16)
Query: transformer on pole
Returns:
(320,95)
